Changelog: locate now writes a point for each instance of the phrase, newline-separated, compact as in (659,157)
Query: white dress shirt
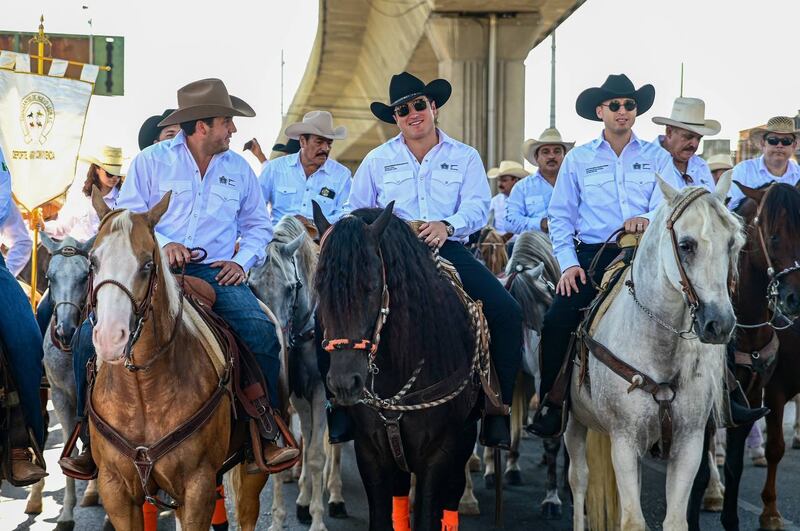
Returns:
(208,212)
(13,233)
(77,218)
(528,203)
(753,173)
(597,191)
(288,191)
(696,168)
(449,185)
(498,207)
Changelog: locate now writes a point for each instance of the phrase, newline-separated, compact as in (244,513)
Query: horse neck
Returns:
(750,302)
(306,304)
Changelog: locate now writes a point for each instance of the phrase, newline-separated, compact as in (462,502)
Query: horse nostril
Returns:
(712,329)
(357,384)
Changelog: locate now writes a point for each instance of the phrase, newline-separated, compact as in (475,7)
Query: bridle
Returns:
(67,252)
(295,336)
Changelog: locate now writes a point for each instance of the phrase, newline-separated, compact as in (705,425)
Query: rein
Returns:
(66,252)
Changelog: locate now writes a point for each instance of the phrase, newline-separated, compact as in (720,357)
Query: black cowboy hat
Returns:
(290,147)
(615,86)
(150,130)
(406,87)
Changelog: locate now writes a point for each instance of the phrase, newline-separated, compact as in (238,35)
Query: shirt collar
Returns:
(443,139)
(762,167)
(601,140)
(295,161)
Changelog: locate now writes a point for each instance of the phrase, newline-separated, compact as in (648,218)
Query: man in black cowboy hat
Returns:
(434,178)
(152,133)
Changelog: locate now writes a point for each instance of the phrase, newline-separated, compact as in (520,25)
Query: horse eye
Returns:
(687,246)
(774,239)
(148,266)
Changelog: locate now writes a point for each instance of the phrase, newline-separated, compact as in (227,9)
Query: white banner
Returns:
(41,126)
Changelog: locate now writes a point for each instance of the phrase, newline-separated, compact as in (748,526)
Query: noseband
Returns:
(66,252)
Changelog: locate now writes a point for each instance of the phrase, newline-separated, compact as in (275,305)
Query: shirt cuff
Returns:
(246,259)
(568,258)
(458,223)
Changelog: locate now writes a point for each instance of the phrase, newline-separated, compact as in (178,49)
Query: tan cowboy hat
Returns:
(690,114)
(777,124)
(318,123)
(109,158)
(207,98)
(720,161)
(508,167)
(548,136)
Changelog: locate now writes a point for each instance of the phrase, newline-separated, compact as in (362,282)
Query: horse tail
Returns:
(602,498)
(519,405)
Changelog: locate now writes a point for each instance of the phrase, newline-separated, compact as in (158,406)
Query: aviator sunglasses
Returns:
(774,141)
(615,105)
(419,105)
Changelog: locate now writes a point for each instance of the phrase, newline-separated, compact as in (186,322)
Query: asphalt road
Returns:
(521,503)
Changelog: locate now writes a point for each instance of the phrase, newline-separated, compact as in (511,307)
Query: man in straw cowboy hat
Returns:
(719,164)
(778,142)
(508,174)
(215,200)
(527,206)
(290,183)
(685,127)
(434,178)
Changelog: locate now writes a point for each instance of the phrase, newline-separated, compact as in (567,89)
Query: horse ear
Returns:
(537,271)
(379,225)
(88,244)
(292,247)
(320,220)
(48,242)
(724,185)
(155,213)
(490,221)
(667,190)
(752,193)
(99,203)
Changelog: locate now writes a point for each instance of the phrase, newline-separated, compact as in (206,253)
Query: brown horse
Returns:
(142,318)
(491,250)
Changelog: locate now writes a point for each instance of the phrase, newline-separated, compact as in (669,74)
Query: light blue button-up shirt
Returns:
(13,233)
(449,184)
(208,212)
(753,173)
(696,168)
(285,187)
(597,191)
(498,206)
(527,205)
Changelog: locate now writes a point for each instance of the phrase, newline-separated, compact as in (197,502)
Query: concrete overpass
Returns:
(361,43)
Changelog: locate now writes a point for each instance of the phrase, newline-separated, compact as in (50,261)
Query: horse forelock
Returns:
(287,229)
(531,249)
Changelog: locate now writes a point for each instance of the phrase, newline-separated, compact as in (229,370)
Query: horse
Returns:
(142,321)
(490,248)
(403,354)
(284,283)
(654,372)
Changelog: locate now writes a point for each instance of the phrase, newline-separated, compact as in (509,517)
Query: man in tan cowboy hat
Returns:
(215,201)
(719,164)
(685,127)
(778,142)
(508,174)
(290,183)
(527,206)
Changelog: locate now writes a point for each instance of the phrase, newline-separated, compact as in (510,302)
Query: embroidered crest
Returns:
(327,192)
(36,117)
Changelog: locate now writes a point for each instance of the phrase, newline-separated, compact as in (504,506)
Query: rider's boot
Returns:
(277,455)
(83,464)
(550,419)
(741,412)
(496,431)
(23,469)
(340,427)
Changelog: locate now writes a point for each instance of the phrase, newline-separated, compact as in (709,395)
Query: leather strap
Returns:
(392,426)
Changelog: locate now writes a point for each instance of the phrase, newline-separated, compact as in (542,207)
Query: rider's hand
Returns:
(231,273)
(636,225)
(177,254)
(434,233)
(568,283)
(255,147)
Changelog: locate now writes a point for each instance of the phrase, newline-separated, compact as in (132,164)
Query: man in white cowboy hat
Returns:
(290,183)
(215,201)
(685,127)
(436,179)
(508,174)
(719,164)
(527,206)
(778,142)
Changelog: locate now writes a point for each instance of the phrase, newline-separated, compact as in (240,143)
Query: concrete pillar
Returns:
(461,45)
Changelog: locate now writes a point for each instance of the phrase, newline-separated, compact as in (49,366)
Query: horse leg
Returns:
(304,486)
(687,454)
(90,496)
(64,404)
(378,477)
(315,458)
(519,411)
(575,441)
(199,499)
(715,492)
(34,503)
(700,482)
(551,505)
(124,514)
(734,461)
(489,473)
(458,485)
(333,481)
(775,400)
(244,490)
(796,437)
(278,503)
(474,460)
(625,459)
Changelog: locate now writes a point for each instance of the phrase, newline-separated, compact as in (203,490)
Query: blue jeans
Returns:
(236,305)
(23,346)
(44,312)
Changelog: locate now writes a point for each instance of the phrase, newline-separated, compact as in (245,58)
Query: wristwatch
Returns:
(450,229)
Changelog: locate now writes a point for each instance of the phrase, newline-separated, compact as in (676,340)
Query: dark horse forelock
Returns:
(426,319)
(781,209)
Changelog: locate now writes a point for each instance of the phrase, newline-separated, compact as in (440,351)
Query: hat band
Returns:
(398,100)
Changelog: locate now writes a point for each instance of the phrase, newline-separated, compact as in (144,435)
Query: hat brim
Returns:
(295,130)
(757,134)
(589,99)
(709,127)
(239,108)
(113,169)
(519,173)
(714,166)
(438,90)
(529,148)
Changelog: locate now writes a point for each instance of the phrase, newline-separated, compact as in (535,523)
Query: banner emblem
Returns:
(36,117)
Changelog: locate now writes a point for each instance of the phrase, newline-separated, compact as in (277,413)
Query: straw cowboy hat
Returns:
(549,136)
(207,98)
(690,114)
(720,161)
(109,158)
(150,129)
(291,146)
(318,123)
(508,167)
(405,87)
(782,125)
(615,86)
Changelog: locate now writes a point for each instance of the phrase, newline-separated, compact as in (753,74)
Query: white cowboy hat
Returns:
(720,161)
(690,114)
(109,158)
(548,136)
(782,125)
(318,123)
(508,167)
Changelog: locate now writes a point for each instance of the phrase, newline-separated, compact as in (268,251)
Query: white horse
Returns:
(641,327)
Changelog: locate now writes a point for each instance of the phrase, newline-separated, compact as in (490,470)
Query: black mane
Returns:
(782,206)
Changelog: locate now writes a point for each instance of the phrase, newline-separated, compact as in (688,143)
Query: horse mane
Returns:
(287,229)
(426,320)
(492,248)
(782,206)
(531,249)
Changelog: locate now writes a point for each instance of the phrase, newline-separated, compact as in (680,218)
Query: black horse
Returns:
(371,262)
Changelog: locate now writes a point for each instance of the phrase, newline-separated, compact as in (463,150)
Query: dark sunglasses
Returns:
(774,141)
(419,105)
(615,105)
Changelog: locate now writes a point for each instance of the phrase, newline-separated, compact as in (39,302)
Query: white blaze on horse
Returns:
(670,329)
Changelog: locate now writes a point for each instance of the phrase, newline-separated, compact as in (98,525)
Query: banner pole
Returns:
(40,41)
(36,215)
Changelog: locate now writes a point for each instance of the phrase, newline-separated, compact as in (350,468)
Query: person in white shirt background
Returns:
(719,164)
(507,175)
(685,127)
(151,133)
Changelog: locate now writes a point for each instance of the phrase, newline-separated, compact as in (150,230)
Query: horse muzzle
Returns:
(110,340)
(714,325)
(788,301)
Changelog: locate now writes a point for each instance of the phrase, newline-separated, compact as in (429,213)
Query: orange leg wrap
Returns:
(220,516)
(150,513)
(450,521)
(400,518)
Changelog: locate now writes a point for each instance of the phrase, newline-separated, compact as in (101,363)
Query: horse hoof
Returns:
(470,508)
(337,510)
(33,507)
(796,443)
(65,526)
(488,481)
(771,523)
(107,525)
(220,527)
(712,505)
(513,477)
(303,514)
(90,499)
(474,463)
(551,511)
(760,461)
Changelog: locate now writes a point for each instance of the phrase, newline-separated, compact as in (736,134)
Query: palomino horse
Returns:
(143,321)
(403,353)
(284,284)
(491,249)
(645,381)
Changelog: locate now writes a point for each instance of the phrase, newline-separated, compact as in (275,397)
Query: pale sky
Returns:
(737,57)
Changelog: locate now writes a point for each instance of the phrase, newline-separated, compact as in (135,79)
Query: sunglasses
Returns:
(615,105)
(419,105)
(774,141)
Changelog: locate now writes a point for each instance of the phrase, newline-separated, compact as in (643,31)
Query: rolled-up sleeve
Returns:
(254,226)
(472,210)
(563,215)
